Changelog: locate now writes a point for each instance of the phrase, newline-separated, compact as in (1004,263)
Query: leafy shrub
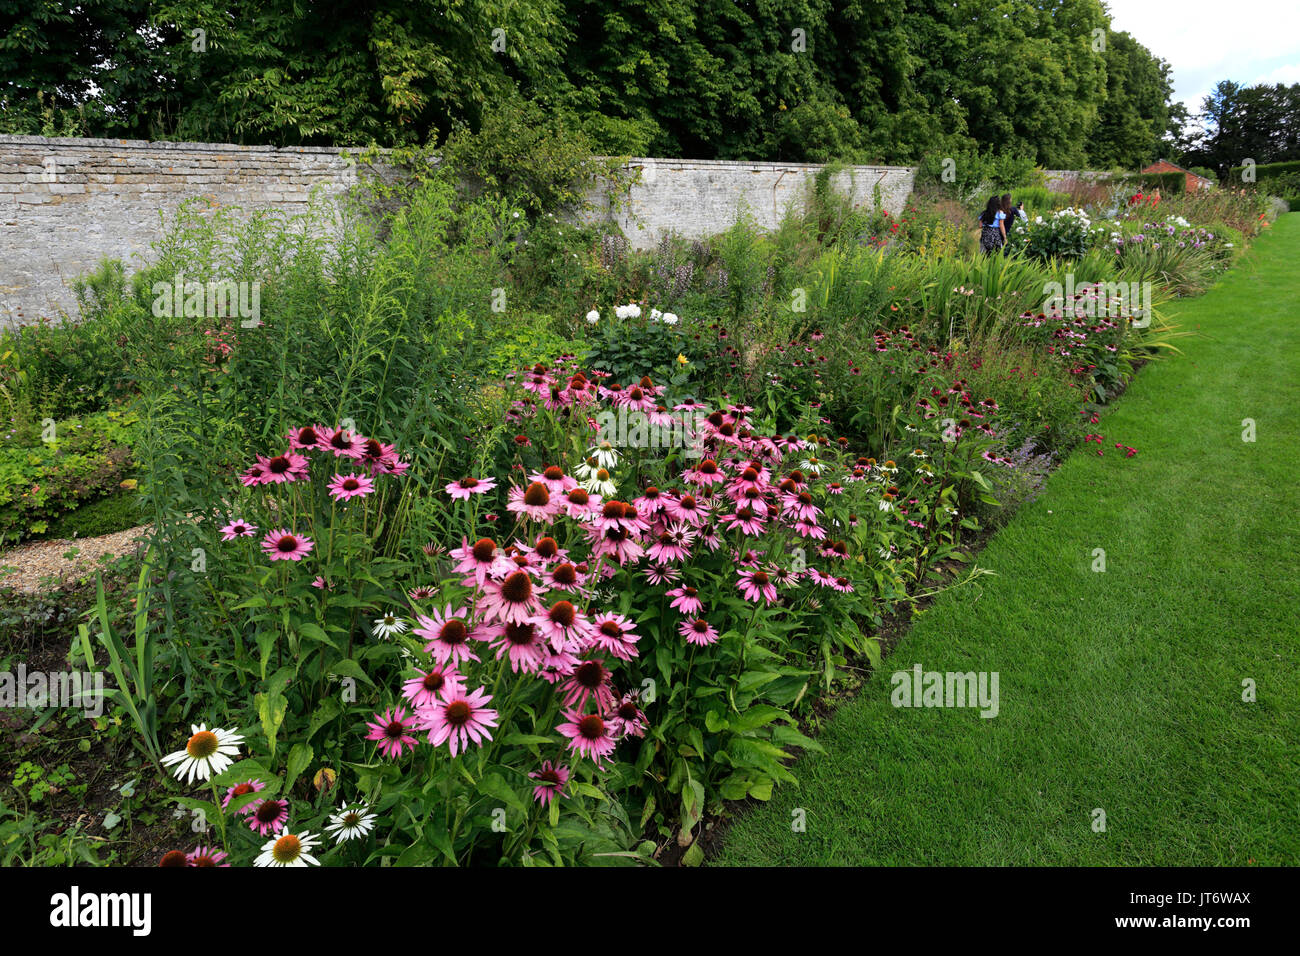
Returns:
(85,459)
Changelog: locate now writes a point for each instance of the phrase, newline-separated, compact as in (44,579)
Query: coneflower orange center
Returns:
(201,745)
(536,495)
(517,587)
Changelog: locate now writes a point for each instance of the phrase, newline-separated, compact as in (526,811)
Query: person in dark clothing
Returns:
(993,231)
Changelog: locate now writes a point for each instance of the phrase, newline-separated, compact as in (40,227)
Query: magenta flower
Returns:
(615,634)
(563,625)
(480,561)
(389,730)
(522,642)
(463,488)
(448,634)
(206,856)
(440,683)
(627,719)
(236,529)
(282,468)
(345,487)
(686,600)
(512,600)
(239,789)
(589,736)
(550,782)
(308,437)
(283,545)
(533,502)
(589,681)
(267,816)
(699,632)
(458,721)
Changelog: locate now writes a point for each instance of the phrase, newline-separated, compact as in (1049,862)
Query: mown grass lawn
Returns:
(1119,691)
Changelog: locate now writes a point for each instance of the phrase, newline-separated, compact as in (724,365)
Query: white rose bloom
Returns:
(593,316)
(655,315)
(633,311)
(670,318)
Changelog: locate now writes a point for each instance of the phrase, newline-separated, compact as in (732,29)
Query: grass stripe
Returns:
(1119,690)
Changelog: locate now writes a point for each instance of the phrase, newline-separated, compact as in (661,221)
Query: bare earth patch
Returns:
(25,567)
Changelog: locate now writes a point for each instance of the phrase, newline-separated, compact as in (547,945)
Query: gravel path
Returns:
(24,567)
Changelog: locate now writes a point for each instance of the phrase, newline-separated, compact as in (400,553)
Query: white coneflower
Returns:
(206,753)
(605,455)
(596,481)
(388,625)
(288,849)
(350,823)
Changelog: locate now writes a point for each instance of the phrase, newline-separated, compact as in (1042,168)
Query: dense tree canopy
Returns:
(1237,123)
(875,80)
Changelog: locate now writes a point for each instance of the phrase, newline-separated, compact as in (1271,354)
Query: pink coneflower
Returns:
(319,582)
(389,729)
(342,442)
(533,502)
(661,574)
(555,480)
(458,721)
(580,503)
(284,545)
(698,631)
(253,475)
(800,506)
(448,634)
(564,576)
(308,437)
(627,719)
(746,519)
(615,634)
(563,625)
(590,680)
(267,816)
(588,736)
(650,503)
(673,544)
(236,529)
(439,683)
(546,551)
(239,790)
(842,584)
(480,560)
(345,487)
(615,542)
(704,474)
(375,453)
(810,529)
(755,584)
(550,782)
(283,468)
(463,488)
(420,593)
(686,600)
(686,508)
(521,642)
(206,856)
(512,600)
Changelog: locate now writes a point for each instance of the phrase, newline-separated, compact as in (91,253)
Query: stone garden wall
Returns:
(66,204)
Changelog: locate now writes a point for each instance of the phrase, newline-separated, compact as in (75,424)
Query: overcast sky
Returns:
(1205,41)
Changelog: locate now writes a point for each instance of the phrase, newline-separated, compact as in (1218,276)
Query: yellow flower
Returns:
(681,359)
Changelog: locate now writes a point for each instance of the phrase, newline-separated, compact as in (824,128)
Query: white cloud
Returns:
(1257,41)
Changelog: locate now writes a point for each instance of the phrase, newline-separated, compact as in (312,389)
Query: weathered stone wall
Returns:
(65,204)
(695,198)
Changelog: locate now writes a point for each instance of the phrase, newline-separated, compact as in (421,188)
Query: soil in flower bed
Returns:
(62,770)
